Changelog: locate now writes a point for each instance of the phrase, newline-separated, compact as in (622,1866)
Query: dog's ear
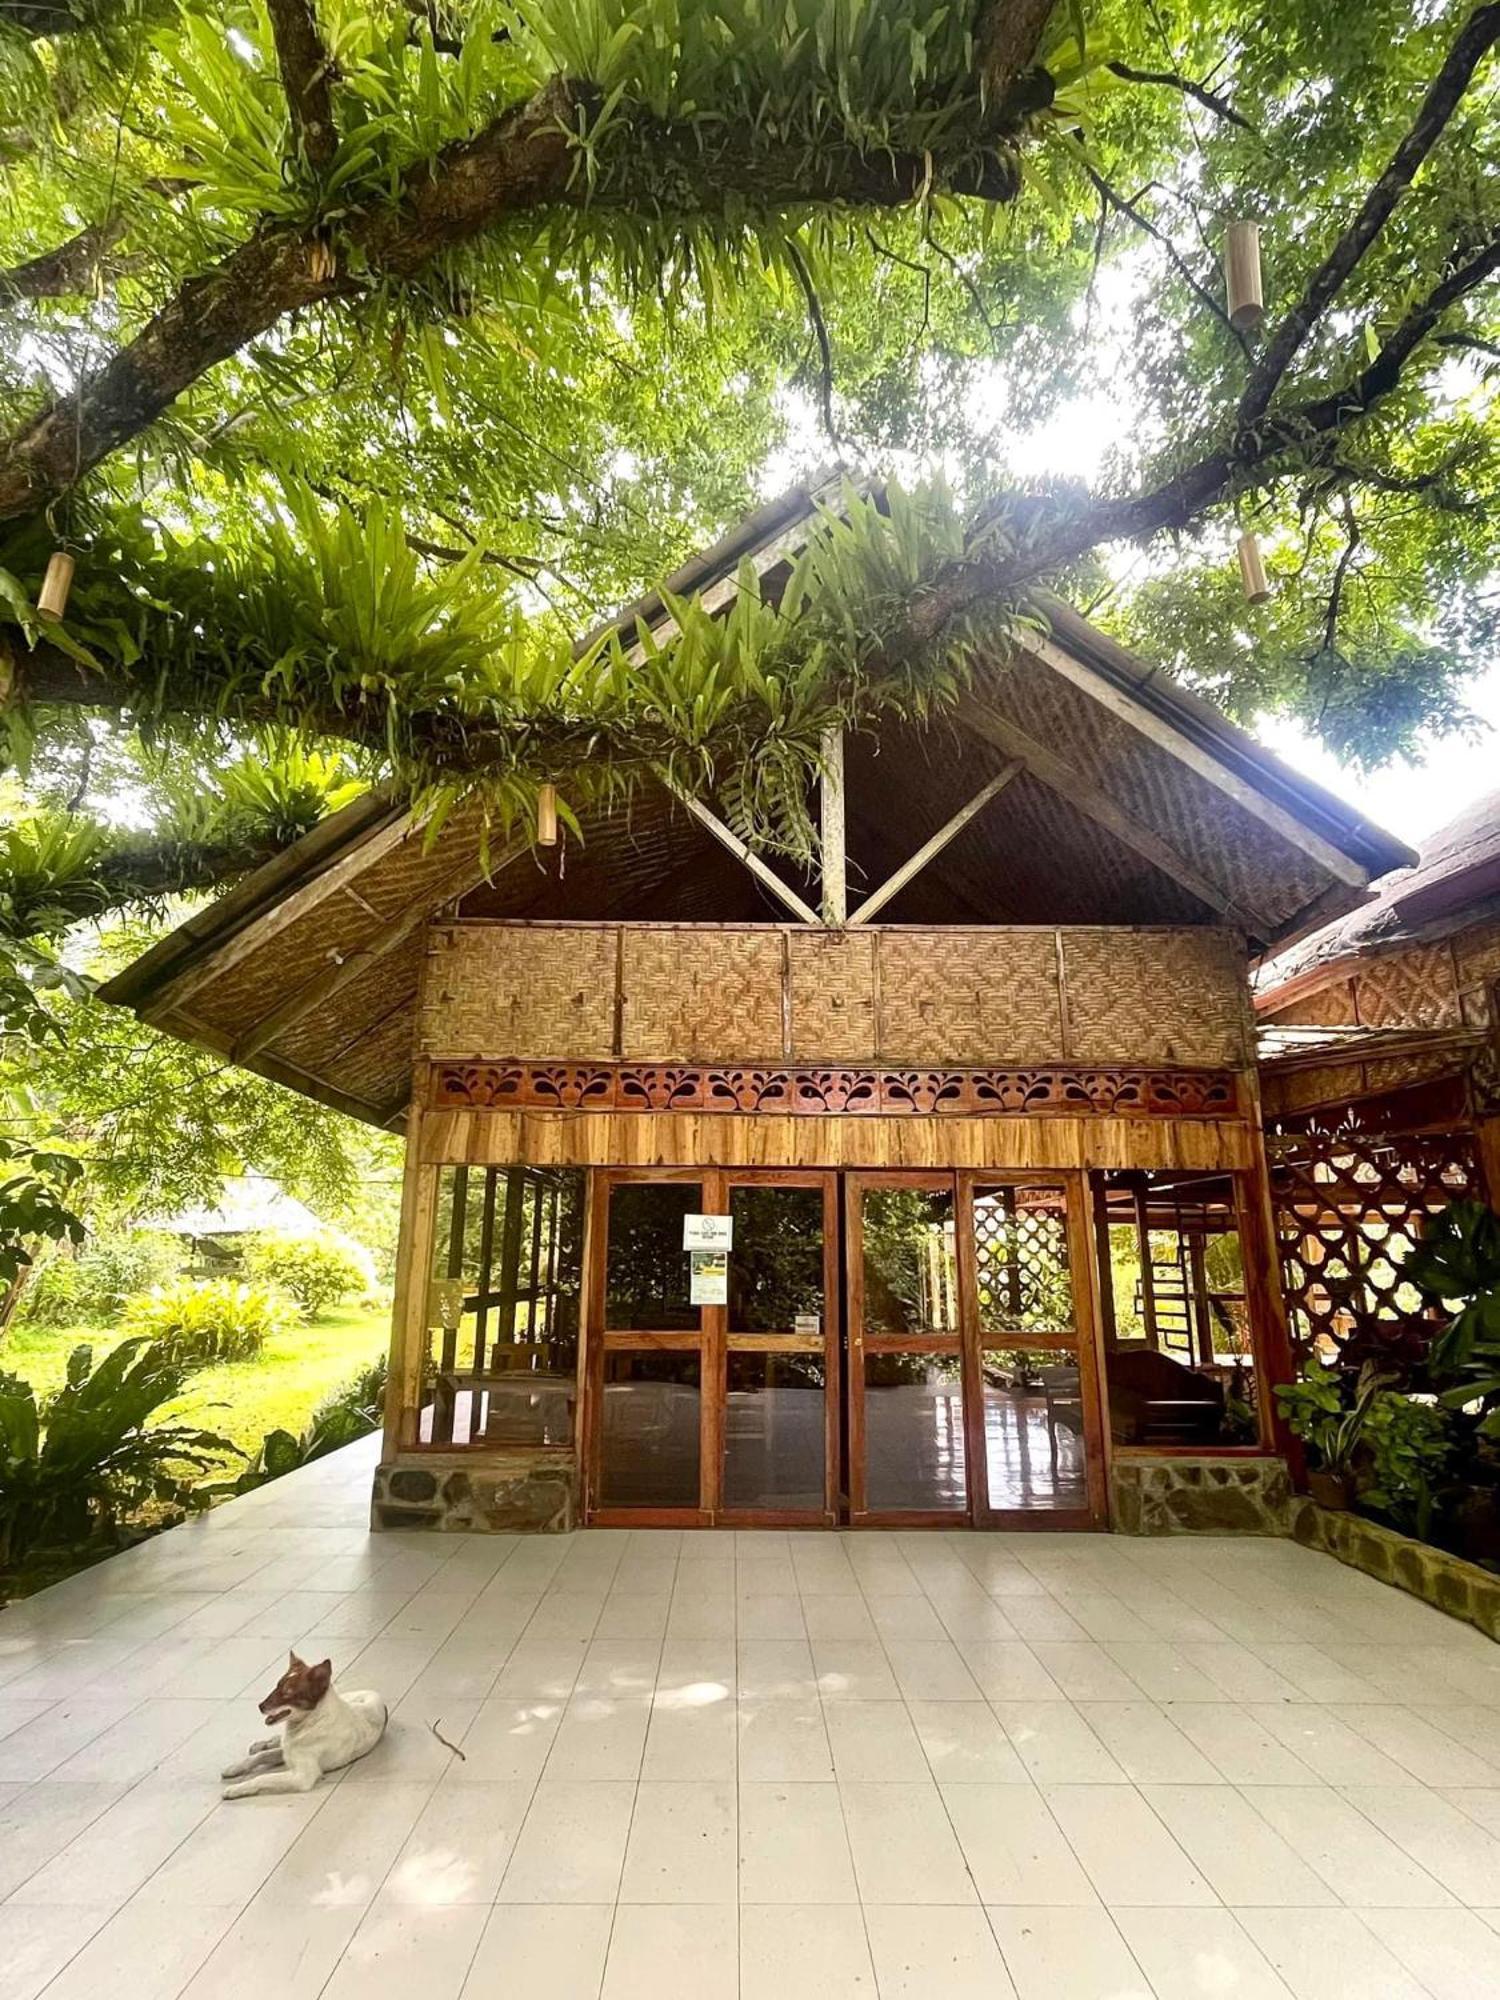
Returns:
(294,1665)
(319,1678)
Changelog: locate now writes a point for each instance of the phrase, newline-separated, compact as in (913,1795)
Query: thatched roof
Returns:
(1455,883)
(1136,803)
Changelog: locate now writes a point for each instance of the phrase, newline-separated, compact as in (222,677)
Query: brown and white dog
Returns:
(319,1730)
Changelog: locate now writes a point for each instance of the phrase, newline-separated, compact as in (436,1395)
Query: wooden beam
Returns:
(894,884)
(1096,805)
(335,976)
(727,837)
(1161,732)
(833,845)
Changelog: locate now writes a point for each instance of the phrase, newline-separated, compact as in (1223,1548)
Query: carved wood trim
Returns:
(815,1092)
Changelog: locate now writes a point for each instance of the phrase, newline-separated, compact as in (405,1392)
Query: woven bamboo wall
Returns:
(764,993)
(1451,983)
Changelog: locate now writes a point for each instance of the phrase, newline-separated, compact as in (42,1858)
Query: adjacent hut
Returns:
(931,1192)
(1381,1079)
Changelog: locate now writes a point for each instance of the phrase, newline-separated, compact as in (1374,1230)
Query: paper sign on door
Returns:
(709,1283)
(708,1232)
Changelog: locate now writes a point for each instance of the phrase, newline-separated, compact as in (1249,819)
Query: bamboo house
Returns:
(932,1192)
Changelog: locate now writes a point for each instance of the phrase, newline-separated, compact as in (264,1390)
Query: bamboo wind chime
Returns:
(1247,309)
(52,598)
(546,816)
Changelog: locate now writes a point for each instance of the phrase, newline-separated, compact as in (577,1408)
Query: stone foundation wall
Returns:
(1199,1496)
(1460,1588)
(533,1492)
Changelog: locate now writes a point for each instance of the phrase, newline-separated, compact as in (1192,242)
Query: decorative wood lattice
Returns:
(1021,1261)
(923,1093)
(1350,1207)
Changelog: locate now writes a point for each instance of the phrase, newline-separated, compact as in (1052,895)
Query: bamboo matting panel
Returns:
(1476,958)
(542,991)
(691,995)
(1414,988)
(1225,843)
(630,1139)
(831,979)
(969,997)
(763,995)
(1330,1007)
(1173,996)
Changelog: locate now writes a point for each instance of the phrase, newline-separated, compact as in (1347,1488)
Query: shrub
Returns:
(80,1466)
(344,1415)
(197,1325)
(94,1283)
(318,1271)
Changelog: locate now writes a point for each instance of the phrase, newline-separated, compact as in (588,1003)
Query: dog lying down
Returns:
(319,1730)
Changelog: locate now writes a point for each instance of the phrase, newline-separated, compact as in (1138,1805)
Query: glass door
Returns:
(651,1441)
(713,1396)
(780,1352)
(910,1379)
(1039,1457)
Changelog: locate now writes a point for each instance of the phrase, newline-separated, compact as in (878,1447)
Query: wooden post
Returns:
(1270,1335)
(1487,1140)
(835,856)
(403,1394)
(1143,1251)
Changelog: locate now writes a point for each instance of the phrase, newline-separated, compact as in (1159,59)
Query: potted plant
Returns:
(1320,1411)
(1457,1265)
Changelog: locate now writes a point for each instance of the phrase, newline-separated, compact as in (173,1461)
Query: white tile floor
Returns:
(816,1767)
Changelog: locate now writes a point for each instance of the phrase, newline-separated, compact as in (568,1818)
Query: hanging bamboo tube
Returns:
(546,816)
(1253,571)
(52,598)
(1242,275)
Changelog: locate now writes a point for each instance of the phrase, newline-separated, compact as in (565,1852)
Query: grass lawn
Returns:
(242,1400)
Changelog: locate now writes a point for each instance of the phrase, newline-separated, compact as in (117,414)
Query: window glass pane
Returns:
(776,1265)
(774,1431)
(1021,1257)
(1033,1428)
(914,1433)
(1178,1358)
(503,1306)
(648,1454)
(646,1267)
(910,1264)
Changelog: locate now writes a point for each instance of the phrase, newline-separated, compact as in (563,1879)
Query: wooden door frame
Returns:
(935,1180)
(825,1180)
(710,1343)
(1084,1279)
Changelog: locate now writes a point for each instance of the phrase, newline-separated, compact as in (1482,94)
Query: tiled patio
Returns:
(918,1767)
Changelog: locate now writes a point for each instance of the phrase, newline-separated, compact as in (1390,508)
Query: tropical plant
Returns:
(92,1285)
(1411,1449)
(78,1469)
(1457,1262)
(1328,1408)
(316,1271)
(197,1323)
(345,1415)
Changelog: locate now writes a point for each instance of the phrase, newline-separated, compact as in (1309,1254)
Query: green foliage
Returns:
(89,1462)
(348,1413)
(1412,1447)
(94,1283)
(1329,1409)
(316,1271)
(1458,1262)
(196,1323)
(35,1191)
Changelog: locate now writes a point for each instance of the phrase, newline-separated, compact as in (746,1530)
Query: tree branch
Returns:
(1122,206)
(1007,35)
(820,332)
(522,162)
(1475,39)
(1199,92)
(306,77)
(72,267)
